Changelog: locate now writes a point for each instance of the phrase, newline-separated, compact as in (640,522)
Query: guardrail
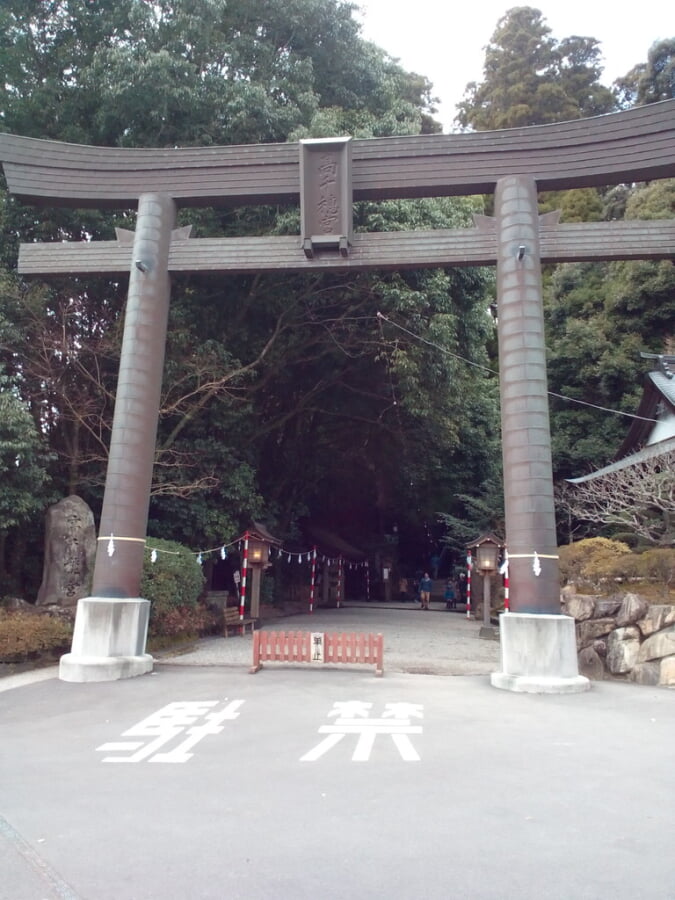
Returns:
(318,647)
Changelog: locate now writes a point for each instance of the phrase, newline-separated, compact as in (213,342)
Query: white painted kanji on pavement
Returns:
(353,717)
(192,719)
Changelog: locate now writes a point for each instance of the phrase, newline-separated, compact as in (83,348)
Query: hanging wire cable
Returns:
(617,412)
(422,340)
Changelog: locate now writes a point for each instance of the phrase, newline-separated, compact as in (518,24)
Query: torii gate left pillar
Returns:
(111,626)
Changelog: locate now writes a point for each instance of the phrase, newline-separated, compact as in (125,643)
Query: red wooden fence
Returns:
(335,647)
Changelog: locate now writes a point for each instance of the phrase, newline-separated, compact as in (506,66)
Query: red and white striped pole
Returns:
(244,569)
(469,566)
(313,581)
(339,582)
(505,568)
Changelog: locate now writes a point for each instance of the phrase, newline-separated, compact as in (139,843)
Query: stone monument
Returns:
(70,550)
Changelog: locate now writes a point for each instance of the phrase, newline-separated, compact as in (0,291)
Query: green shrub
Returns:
(634,541)
(593,560)
(657,565)
(26,635)
(173,585)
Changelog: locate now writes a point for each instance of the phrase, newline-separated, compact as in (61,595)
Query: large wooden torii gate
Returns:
(538,644)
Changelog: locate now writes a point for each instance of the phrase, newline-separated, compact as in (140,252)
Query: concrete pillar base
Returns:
(103,668)
(539,655)
(108,641)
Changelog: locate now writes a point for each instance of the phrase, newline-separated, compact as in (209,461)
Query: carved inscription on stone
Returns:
(328,205)
(325,195)
(70,549)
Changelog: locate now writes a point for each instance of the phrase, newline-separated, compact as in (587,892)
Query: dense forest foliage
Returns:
(291,398)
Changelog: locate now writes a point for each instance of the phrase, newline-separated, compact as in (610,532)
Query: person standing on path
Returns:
(450,595)
(425,590)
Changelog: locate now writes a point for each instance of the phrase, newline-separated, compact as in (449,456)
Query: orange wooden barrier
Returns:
(317,647)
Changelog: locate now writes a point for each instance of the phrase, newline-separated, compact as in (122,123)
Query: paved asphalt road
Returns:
(204,781)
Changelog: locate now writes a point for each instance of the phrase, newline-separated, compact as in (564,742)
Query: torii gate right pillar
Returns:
(538,643)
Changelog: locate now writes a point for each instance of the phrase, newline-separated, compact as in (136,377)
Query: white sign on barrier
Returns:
(318,643)
(353,717)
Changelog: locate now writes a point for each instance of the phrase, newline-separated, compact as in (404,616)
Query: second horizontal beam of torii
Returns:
(574,242)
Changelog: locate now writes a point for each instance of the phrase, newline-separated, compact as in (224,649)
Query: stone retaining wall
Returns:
(623,637)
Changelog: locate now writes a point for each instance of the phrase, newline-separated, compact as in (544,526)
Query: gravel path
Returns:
(434,643)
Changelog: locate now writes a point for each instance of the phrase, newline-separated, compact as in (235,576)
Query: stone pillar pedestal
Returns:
(108,641)
(539,655)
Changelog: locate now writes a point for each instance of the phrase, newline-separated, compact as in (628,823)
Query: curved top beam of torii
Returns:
(635,145)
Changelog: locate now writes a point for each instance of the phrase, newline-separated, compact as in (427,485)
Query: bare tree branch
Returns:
(639,498)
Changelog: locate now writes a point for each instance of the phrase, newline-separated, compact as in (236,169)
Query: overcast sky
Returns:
(445,40)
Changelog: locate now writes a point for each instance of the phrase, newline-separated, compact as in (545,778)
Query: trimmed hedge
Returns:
(591,560)
(26,635)
(656,566)
(599,563)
